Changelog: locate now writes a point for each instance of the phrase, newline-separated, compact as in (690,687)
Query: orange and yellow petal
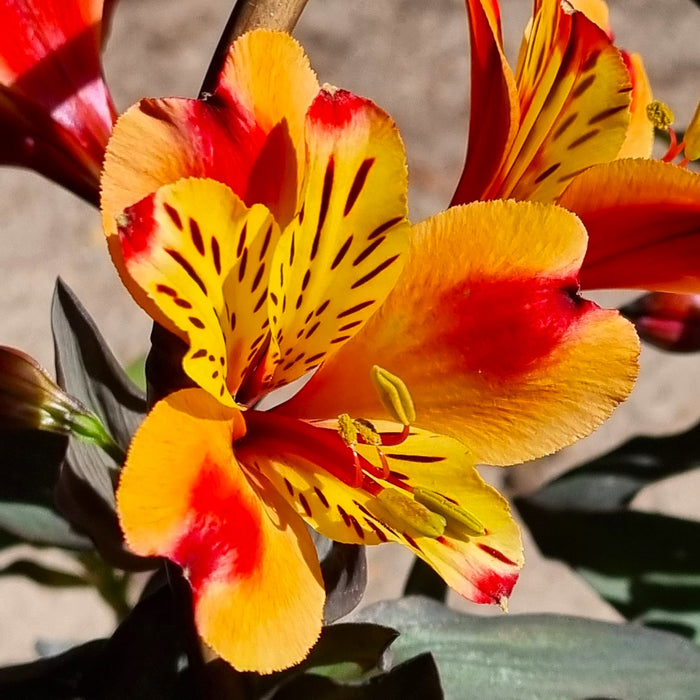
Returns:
(159,141)
(340,257)
(639,139)
(597,11)
(431,499)
(574,92)
(248,134)
(643,223)
(202,258)
(268,73)
(496,348)
(640,133)
(692,136)
(314,470)
(494,103)
(255,577)
(481,567)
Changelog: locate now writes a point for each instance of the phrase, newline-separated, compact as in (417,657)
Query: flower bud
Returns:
(31,400)
(668,321)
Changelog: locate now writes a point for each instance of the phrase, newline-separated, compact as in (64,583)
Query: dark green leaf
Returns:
(54,678)
(613,480)
(164,373)
(540,656)
(143,658)
(645,564)
(38,525)
(424,580)
(344,570)
(415,679)
(580,518)
(622,543)
(87,369)
(30,463)
(136,371)
(91,513)
(361,645)
(343,652)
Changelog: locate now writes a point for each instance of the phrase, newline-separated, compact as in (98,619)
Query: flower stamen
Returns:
(394,395)
(412,513)
(661,116)
(354,431)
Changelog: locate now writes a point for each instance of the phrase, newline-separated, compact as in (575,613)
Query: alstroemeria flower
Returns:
(56,113)
(266,226)
(570,126)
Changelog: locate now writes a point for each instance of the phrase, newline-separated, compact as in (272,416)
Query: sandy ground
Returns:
(410,57)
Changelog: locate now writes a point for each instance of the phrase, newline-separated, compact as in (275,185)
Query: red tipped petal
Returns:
(495,348)
(258,593)
(494,103)
(248,134)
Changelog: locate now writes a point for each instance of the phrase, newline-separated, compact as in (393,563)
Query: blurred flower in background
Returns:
(56,113)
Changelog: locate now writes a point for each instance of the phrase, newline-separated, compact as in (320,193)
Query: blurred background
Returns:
(411,57)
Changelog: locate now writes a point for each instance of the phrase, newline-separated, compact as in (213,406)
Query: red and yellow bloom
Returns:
(570,126)
(56,113)
(266,227)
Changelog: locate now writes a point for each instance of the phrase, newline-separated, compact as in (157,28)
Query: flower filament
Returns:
(661,116)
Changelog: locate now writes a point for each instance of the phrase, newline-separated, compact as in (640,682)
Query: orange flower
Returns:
(570,126)
(56,114)
(266,227)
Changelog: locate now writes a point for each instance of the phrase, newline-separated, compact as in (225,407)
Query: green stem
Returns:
(89,427)
(111,584)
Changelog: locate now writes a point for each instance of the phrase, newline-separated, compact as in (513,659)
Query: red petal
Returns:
(495,112)
(52,86)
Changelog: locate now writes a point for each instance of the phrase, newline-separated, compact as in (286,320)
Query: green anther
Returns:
(347,429)
(394,395)
(660,115)
(412,513)
(449,510)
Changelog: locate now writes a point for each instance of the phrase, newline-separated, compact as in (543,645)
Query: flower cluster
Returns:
(345,368)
